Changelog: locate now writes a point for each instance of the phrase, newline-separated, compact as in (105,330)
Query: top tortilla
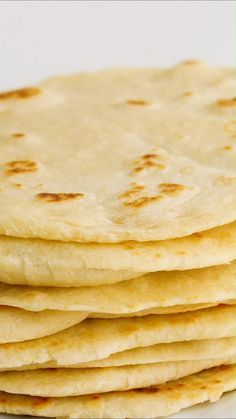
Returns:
(119,155)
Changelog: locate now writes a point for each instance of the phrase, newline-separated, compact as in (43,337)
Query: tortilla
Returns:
(119,155)
(150,402)
(141,295)
(158,310)
(20,325)
(74,382)
(162,352)
(96,339)
(168,352)
(50,263)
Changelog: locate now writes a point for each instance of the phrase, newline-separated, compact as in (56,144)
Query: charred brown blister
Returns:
(18,135)
(17,186)
(138,102)
(171,188)
(148,161)
(38,401)
(25,93)
(147,390)
(17,167)
(226,102)
(137,196)
(57,197)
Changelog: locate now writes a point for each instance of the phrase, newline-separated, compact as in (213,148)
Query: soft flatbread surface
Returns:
(119,155)
(20,325)
(51,263)
(155,292)
(96,339)
(162,352)
(74,382)
(151,402)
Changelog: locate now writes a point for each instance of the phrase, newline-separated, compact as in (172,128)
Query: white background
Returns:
(42,38)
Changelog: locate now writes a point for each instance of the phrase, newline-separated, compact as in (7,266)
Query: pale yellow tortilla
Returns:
(66,382)
(158,310)
(49,263)
(20,325)
(162,352)
(96,339)
(152,291)
(75,153)
(150,402)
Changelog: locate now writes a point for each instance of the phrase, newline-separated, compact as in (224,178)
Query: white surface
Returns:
(42,38)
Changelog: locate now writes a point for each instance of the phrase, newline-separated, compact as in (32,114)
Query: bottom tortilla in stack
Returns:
(102,367)
(152,402)
(146,346)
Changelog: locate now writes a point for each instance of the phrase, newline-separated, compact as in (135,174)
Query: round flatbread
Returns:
(20,325)
(50,263)
(154,292)
(157,401)
(119,155)
(96,339)
(66,382)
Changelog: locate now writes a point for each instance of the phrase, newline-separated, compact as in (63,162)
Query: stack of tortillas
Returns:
(118,241)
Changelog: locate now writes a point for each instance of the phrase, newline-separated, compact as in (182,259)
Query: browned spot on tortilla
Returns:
(203,387)
(3,400)
(220,368)
(137,196)
(171,188)
(56,343)
(18,135)
(179,385)
(191,62)
(227,102)
(147,390)
(20,93)
(58,197)
(38,401)
(148,161)
(32,294)
(138,169)
(186,94)
(150,156)
(198,234)
(153,164)
(129,329)
(17,185)
(138,102)
(216,381)
(132,191)
(181,253)
(143,201)
(224,367)
(95,396)
(20,166)
(228,147)
(129,245)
